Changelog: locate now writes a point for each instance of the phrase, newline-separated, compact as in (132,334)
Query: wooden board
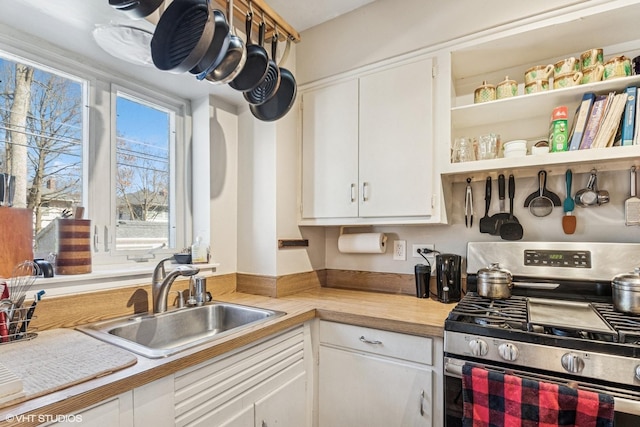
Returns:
(16,238)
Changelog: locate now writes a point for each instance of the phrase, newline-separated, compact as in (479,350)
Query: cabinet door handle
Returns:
(365,193)
(353,193)
(366,341)
(421,403)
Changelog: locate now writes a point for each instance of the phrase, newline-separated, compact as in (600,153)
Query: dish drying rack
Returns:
(16,327)
(15,315)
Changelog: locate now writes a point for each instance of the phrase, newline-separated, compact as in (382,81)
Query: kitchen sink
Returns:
(164,334)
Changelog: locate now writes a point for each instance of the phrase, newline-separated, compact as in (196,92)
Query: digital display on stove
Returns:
(556,258)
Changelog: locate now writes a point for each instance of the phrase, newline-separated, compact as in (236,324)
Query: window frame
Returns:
(98,87)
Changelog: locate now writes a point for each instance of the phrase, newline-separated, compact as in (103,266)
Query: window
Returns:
(144,139)
(71,141)
(41,142)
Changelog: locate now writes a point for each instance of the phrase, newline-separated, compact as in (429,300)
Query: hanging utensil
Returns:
(568,220)
(542,198)
(271,82)
(136,9)
(511,229)
(217,48)
(541,205)
(182,36)
(486,223)
(502,216)
(591,196)
(234,58)
(632,204)
(257,63)
(468,205)
(283,99)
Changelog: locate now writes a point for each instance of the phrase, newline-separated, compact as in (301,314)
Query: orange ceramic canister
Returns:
(74,246)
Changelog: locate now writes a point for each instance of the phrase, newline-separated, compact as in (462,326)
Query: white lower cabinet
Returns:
(265,384)
(116,412)
(375,378)
(268,380)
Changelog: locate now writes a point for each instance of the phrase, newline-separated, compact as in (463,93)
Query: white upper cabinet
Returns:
(330,151)
(396,141)
(367,148)
(513,49)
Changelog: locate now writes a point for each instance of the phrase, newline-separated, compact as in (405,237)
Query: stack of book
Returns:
(606,120)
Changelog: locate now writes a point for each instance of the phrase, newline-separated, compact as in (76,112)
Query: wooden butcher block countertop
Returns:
(399,313)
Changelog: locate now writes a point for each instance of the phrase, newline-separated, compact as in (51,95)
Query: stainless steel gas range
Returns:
(558,326)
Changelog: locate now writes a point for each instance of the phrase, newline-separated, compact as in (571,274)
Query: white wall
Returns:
(223,184)
(387,28)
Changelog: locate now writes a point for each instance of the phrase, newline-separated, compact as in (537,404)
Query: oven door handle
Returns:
(453,369)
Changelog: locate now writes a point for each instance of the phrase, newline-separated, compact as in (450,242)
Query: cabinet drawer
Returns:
(375,341)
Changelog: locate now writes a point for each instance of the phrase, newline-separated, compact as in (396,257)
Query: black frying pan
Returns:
(217,48)
(257,63)
(136,9)
(271,81)
(182,36)
(281,102)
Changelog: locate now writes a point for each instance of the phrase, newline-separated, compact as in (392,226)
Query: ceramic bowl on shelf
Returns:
(515,148)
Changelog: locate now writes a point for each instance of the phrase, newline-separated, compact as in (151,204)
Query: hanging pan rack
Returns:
(259,8)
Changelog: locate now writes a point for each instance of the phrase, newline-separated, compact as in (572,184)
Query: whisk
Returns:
(22,278)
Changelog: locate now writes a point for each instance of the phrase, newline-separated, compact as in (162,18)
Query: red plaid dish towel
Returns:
(492,399)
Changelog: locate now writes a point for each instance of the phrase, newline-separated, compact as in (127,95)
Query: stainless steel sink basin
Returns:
(164,334)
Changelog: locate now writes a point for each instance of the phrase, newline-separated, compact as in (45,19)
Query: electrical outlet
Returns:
(400,250)
(422,247)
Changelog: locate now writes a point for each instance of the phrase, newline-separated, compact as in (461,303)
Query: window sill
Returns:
(105,277)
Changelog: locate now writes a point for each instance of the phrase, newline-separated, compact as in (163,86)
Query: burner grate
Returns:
(626,325)
(507,313)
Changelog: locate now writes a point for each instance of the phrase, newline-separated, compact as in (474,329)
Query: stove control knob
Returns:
(478,347)
(572,363)
(638,372)
(508,352)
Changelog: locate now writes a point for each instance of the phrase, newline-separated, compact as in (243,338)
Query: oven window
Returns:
(453,401)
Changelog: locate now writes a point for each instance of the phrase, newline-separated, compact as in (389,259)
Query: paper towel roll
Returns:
(362,243)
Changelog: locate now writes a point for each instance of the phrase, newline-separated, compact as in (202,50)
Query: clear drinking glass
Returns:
(487,146)
(463,150)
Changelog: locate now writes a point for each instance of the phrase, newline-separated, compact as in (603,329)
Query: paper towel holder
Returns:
(344,227)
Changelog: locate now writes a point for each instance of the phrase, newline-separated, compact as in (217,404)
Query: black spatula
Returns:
(502,216)
(511,228)
(486,223)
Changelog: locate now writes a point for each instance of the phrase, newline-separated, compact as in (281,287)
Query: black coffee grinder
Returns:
(448,278)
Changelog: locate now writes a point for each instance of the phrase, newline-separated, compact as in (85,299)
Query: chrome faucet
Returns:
(161,282)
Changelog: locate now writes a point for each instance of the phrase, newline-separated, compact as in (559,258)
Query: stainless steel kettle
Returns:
(448,278)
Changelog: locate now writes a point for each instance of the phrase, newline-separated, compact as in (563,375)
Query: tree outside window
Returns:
(41,146)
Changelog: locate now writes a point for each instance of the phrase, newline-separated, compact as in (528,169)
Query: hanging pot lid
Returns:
(124,42)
